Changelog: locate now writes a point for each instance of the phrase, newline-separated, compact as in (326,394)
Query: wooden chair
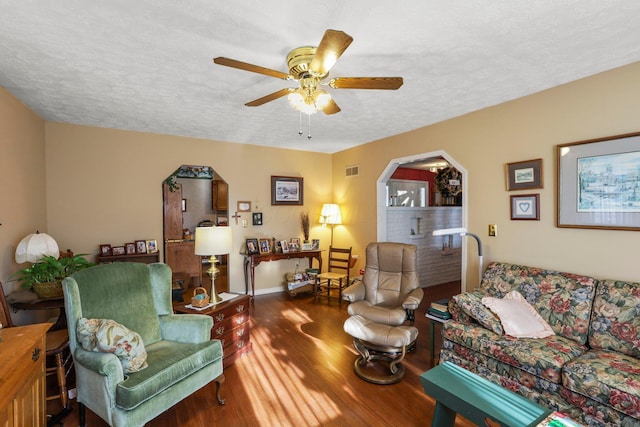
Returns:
(337,275)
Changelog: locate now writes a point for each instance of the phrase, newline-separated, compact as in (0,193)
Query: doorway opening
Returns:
(403,217)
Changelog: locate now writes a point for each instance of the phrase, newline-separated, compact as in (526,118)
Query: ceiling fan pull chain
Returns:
(309,136)
(300,124)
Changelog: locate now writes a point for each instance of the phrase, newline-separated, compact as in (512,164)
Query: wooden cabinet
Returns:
(22,376)
(219,195)
(231,325)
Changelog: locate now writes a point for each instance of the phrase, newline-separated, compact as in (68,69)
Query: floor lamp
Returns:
(330,215)
(463,232)
(212,241)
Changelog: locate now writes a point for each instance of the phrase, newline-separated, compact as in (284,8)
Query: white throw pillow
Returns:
(519,319)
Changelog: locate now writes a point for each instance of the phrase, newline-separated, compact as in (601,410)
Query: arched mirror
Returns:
(193,196)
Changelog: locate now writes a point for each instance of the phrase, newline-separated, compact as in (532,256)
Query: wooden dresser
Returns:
(22,380)
(231,325)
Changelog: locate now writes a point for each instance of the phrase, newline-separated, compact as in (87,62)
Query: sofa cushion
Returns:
(518,318)
(471,304)
(543,357)
(169,363)
(608,377)
(563,300)
(615,322)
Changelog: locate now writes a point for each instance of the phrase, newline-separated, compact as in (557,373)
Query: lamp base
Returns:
(214,297)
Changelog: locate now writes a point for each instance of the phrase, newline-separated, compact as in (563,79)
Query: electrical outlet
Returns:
(493,230)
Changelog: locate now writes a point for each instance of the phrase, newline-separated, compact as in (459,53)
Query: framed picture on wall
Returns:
(525,206)
(257,218)
(599,183)
(524,175)
(287,190)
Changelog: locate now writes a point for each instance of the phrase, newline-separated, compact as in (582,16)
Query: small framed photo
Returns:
(222,221)
(257,218)
(524,175)
(294,244)
(315,244)
(141,247)
(264,246)
(285,246)
(117,250)
(130,248)
(105,250)
(287,190)
(525,206)
(184,205)
(152,246)
(252,246)
(244,206)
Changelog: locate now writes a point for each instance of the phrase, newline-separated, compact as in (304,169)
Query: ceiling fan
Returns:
(309,66)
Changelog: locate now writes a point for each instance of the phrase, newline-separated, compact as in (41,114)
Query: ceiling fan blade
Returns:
(221,60)
(331,47)
(331,107)
(390,83)
(268,98)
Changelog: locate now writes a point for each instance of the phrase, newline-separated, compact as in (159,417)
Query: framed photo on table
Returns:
(264,246)
(252,246)
(524,175)
(287,190)
(599,183)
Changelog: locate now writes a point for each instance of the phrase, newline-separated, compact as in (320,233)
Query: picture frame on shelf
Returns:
(285,246)
(287,190)
(264,246)
(118,250)
(252,246)
(244,206)
(525,207)
(257,218)
(524,175)
(597,183)
(130,248)
(294,244)
(141,247)
(105,250)
(152,246)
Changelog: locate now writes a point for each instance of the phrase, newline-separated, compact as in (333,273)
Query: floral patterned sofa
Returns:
(590,368)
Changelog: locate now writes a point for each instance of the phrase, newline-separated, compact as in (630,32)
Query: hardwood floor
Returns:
(300,373)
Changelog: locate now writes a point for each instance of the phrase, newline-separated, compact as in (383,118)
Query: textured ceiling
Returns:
(146,65)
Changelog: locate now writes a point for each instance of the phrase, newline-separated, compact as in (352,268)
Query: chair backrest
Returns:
(5,316)
(390,273)
(132,294)
(339,260)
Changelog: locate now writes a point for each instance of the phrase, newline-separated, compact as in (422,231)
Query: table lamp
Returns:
(212,241)
(330,215)
(35,246)
(463,232)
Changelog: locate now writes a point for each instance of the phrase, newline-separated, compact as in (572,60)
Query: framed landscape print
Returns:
(287,190)
(524,175)
(599,183)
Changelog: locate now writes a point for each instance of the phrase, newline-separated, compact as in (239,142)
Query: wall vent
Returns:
(352,170)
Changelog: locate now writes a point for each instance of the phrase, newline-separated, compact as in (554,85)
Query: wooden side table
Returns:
(231,325)
(432,330)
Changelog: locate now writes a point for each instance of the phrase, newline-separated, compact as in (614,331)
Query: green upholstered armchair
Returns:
(181,356)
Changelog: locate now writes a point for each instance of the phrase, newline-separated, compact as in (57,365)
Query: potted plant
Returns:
(45,276)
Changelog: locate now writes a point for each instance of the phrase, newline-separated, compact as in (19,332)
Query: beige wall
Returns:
(105,186)
(482,142)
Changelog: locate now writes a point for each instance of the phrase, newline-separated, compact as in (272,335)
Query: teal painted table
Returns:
(457,390)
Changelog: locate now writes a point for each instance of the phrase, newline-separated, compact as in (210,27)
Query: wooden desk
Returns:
(252,261)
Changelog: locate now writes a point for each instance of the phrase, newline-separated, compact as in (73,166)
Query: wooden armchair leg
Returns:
(82,415)
(219,382)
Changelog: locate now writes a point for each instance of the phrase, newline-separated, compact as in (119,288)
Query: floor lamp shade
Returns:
(213,241)
(330,214)
(35,246)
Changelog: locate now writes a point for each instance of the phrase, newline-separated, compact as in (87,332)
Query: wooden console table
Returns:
(252,261)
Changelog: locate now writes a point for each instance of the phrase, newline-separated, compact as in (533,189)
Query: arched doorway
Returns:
(432,249)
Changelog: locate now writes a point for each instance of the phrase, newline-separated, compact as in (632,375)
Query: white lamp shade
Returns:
(213,241)
(35,246)
(330,214)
